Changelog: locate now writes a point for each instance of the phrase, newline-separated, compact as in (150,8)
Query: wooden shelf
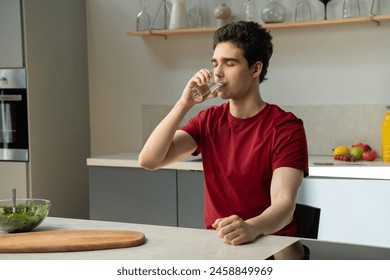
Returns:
(192,31)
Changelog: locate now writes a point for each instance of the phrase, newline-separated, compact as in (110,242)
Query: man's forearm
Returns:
(157,146)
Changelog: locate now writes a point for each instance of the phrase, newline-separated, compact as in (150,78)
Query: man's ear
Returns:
(257,68)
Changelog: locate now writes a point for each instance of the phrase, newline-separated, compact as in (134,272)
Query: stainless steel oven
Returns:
(13,115)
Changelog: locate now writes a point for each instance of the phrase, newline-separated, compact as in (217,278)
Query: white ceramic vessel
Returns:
(178,14)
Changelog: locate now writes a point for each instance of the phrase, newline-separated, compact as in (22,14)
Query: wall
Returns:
(57,87)
(329,66)
(326,125)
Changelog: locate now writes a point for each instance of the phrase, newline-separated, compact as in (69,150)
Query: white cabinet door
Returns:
(352,210)
(11,50)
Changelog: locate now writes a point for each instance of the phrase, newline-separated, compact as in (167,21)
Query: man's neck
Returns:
(246,108)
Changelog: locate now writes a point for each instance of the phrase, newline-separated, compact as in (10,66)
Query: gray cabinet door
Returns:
(190,199)
(133,195)
(11,51)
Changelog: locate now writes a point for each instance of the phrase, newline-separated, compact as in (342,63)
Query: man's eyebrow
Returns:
(226,59)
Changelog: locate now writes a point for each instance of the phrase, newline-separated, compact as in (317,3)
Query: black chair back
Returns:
(308,220)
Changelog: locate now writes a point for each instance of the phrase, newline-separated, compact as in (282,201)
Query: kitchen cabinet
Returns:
(164,197)
(11,48)
(287,25)
(133,195)
(352,210)
(190,200)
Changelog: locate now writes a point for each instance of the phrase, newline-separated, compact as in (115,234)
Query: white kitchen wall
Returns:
(346,65)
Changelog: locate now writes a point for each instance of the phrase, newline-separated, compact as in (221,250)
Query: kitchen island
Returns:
(174,243)
(353,196)
(162,243)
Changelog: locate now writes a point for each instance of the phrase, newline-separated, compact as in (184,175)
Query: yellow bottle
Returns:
(386,136)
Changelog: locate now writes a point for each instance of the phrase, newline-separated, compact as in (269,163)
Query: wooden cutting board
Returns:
(69,240)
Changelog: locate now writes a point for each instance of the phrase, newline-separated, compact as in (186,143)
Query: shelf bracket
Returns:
(163,3)
(154,34)
(372,18)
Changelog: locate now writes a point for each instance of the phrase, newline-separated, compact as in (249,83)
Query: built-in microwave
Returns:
(13,115)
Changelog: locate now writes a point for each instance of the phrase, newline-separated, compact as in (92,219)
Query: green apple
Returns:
(357,152)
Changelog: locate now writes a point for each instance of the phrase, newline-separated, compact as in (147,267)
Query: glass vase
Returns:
(143,18)
(274,12)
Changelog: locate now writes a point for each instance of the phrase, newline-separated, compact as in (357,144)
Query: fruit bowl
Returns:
(25,216)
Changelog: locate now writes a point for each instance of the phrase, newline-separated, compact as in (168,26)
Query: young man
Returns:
(254,154)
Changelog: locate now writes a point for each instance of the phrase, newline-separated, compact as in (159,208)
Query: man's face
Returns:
(230,64)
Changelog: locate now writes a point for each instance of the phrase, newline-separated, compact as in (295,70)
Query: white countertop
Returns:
(319,166)
(162,243)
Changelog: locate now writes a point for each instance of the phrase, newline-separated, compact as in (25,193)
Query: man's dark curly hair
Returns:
(252,38)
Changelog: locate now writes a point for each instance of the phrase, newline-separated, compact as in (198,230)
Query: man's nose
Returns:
(218,72)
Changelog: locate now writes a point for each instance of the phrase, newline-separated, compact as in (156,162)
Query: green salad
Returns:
(24,217)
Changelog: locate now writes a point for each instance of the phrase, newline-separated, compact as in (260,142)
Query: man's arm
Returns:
(167,144)
(284,189)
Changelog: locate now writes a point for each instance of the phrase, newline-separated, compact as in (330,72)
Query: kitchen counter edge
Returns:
(319,166)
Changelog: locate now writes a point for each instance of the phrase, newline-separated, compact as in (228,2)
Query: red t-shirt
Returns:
(240,155)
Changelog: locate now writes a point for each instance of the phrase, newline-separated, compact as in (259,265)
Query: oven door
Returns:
(13,119)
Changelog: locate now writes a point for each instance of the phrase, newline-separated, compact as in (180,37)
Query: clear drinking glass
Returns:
(351,8)
(200,93)
(199,19)
(303,11)
(248,10)
(375,8)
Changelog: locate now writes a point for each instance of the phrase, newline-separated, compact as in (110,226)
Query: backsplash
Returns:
(326,125)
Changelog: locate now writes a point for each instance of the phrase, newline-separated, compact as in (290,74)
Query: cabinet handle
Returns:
(14,97)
